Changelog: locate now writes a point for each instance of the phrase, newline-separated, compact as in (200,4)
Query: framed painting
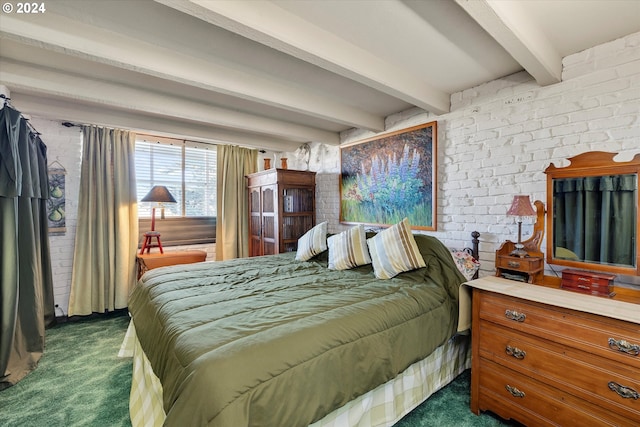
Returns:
(390,177)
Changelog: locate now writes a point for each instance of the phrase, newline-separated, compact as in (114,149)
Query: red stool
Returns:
(147,244)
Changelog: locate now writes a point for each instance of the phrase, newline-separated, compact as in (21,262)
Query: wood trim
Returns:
(593,163)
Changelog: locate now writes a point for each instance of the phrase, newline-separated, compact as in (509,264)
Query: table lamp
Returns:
(158,194)
(520,207)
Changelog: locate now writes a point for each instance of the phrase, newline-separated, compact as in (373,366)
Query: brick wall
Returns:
(496,142)
(500,136)
(64,145)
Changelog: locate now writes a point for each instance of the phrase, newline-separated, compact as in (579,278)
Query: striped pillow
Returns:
(348,249)
(312,242)
(394,250)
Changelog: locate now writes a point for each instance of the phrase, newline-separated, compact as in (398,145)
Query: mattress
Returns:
(272,341)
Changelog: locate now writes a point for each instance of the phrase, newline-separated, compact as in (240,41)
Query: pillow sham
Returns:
(466,263)
(394,251)
(348,249)
(312,242)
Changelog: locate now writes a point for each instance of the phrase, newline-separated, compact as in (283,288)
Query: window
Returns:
(187,169)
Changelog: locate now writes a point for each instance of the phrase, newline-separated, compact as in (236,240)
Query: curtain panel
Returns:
(232,223)
(107,229)
(592,220)
(26,285)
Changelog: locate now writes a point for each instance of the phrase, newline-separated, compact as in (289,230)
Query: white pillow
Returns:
(348,249)
(312,243)
(394,251)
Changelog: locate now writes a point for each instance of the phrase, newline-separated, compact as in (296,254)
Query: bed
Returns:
(272,341)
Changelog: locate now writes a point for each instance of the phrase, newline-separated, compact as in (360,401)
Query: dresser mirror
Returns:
(592,217)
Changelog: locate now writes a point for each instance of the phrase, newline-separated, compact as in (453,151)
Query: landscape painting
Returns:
(390,177)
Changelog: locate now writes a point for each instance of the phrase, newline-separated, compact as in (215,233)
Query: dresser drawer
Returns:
(612,386)
(527,264)
(611,339)
(513,395)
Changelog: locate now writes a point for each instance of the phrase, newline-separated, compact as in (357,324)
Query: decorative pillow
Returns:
(394,251)
(348,249)
(466,263)
(312,242)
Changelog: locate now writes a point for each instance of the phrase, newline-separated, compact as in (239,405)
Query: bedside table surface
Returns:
(155,260)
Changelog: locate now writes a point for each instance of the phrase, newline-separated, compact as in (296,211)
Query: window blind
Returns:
(188,169)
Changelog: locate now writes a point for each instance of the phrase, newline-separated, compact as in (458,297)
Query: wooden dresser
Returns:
(550,357)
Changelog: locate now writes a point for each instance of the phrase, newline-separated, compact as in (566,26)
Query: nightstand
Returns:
(155,260)
(529,269)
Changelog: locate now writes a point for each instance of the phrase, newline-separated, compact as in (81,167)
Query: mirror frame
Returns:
(594,163)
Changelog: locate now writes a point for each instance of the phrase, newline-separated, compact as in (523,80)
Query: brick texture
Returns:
(496,142)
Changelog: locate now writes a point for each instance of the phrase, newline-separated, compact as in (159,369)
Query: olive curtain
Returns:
(594,217)
(26,285)
(107,229)
(232,223)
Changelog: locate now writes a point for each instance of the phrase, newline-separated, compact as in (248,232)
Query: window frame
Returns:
(181,229)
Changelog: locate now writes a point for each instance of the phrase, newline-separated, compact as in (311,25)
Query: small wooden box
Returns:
(529,269)
(599,284)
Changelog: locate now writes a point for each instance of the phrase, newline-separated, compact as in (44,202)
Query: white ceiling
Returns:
(274,74)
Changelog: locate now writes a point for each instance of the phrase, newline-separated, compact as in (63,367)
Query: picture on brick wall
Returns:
(390,177)
(56,202)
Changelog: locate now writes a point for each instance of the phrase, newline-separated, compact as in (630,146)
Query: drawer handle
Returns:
(624,346)
(583,279)
(514,315)
(513,264)
(515,352)
(515,392)
(622,391)
(583,287)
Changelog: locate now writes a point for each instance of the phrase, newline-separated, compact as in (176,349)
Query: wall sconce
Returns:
(520,207)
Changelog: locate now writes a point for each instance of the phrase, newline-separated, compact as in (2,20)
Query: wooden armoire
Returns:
(281,209)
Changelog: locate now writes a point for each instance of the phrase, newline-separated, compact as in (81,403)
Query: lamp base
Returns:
(519,251)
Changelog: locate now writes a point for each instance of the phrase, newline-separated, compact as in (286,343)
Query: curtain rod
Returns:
(7,102)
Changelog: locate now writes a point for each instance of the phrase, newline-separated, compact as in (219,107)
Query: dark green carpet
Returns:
(81,382)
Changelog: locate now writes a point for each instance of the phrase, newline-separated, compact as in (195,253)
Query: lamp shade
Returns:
(160,194)
(521,206)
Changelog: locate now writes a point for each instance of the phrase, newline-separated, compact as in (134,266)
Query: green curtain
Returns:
(107,229)
(26,285)
(594,217)
(232,222)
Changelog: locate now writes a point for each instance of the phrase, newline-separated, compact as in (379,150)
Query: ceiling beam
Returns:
(56,109)
(79,89)
(71,37)
(266,23)
(507,24)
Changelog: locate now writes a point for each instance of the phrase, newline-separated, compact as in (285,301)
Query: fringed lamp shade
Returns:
(520,207)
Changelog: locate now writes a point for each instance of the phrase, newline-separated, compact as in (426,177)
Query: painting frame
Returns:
(389,177)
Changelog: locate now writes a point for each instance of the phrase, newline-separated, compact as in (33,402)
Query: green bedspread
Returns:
(270,341)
